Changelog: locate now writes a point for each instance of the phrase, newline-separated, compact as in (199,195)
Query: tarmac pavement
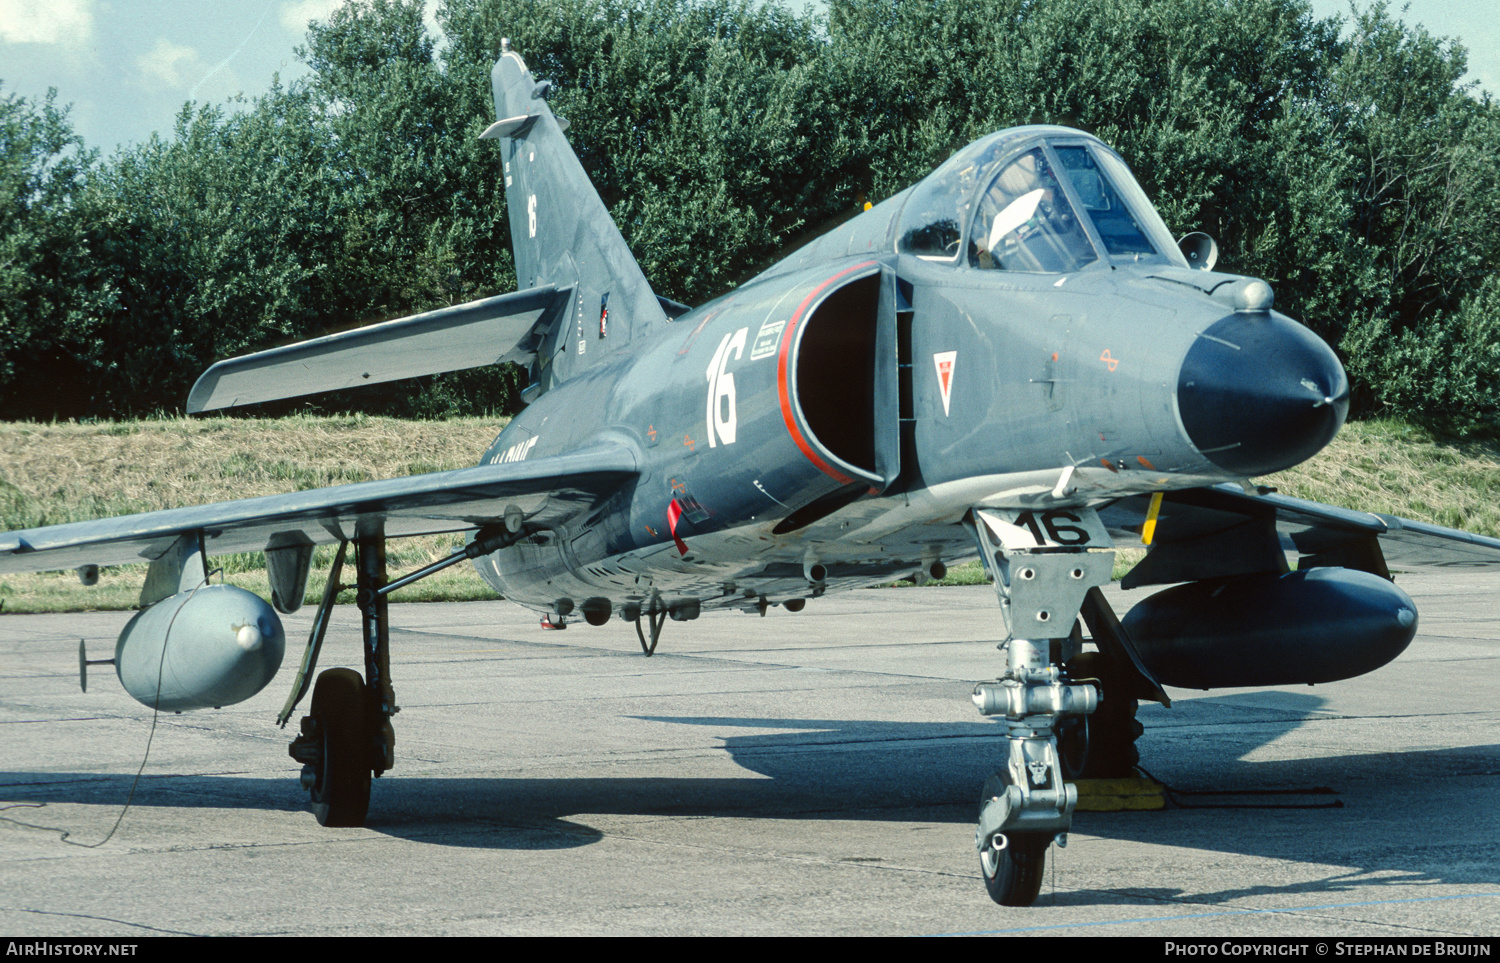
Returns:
(815,773)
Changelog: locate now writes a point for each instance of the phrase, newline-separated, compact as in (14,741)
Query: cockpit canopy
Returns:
(1039,200)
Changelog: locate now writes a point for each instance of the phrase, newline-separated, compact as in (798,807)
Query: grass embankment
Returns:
(52,473)
(1397,468)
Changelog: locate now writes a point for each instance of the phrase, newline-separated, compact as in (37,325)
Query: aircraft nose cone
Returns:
(1258,393)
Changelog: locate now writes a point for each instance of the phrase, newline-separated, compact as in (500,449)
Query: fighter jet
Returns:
(1011,358)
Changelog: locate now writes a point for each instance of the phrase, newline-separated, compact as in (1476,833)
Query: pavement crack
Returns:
(102,919)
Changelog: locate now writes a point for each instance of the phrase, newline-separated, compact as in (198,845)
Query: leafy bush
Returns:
(1351,170)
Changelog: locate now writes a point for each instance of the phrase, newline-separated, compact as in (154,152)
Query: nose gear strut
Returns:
(1043,564)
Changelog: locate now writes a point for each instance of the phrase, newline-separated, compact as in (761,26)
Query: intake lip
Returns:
(1259,392)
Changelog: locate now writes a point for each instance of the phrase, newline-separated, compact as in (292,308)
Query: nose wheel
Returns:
(1013,875)
(1012,863)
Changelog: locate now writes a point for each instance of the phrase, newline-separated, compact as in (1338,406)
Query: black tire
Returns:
(1013,875)
(1109,750)
(1073,746)
(341,782)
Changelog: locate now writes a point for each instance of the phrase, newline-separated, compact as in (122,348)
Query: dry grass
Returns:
(53,473)
(64,472)
(1400,469)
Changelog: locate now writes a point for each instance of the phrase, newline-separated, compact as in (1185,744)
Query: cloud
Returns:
(170,64)
(296,14)
(46,21)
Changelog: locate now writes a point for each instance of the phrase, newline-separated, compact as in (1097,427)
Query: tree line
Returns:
(1340,159)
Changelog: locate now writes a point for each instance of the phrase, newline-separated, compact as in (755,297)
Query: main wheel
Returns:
(1073,746)
(341,775)
(1104,746)
(1013,874)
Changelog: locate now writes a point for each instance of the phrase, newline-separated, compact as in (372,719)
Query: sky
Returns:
(127,66)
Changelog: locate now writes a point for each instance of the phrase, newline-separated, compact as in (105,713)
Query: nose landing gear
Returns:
(1043,568)
(1027,803)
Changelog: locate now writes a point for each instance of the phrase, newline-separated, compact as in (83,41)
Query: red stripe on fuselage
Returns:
(785,388)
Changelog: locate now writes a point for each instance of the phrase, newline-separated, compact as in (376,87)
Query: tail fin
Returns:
(561,232)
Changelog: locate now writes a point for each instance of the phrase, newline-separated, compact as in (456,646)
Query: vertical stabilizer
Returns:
(561,231)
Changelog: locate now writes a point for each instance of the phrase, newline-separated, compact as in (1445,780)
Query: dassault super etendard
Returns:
(1011,358)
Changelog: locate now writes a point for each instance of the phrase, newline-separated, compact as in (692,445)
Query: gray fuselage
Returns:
(846,408)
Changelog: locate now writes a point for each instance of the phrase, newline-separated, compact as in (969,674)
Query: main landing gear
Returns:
(335,749)
(347,737)
(1101,745)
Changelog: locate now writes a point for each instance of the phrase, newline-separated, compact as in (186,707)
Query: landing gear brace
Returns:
(347,737)
(1043,563)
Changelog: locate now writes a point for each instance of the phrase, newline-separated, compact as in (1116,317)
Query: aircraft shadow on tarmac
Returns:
(900,771)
